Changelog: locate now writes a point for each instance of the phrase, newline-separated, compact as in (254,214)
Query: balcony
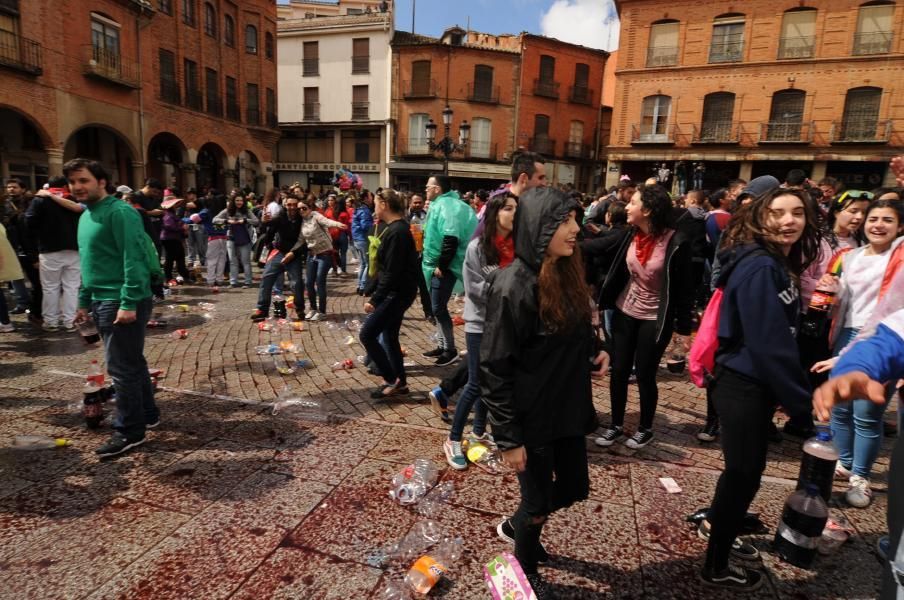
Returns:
(543,144)
(786,132)
(876,42)
(194,100)
(100,63)
(232,111)
(21,53)
(272,120)
(717,132)
(483,93)
(724,52)
(546,88)
(169,91)
(214,106)
(579,94)
(648,134)
(413,147)
(253,116)
(10,6)
(310,67)
(796,47)
(662,56)
(360,111)
(861,131)
(479,149)
(419,88)
(311,111)
(577,150)
(361,64)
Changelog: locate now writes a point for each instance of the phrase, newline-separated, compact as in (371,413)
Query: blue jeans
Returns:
(440,292)
(471,393)
(318,266)
(386,353)
(340,245)
(236,254)
(857,425)
(272,271)
(124,355)
(361,247)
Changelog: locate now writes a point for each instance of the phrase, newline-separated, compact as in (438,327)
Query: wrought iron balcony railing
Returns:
(483,93)
(716,132)
(861,131)
(110,65)
(419,88)
(876,42)
(310,67)
(311,111)
(360,111)
(722,52)
(797,47)
(546,88)
(647,133)
(786,132)
(580,95)
(22,54)
(543,144)
(662,56)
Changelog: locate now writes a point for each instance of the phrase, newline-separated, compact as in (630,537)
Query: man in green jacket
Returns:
(116,289)
(450,224)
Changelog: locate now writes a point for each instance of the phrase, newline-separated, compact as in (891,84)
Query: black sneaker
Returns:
(506,532)
(446,358)
(739,548)
(736,578)
(710,432)
(117,444)
(609,436)
(435,353)
(19,310)
(153,425)
(640,439)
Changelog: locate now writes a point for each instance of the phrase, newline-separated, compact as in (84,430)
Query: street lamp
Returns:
(447,145)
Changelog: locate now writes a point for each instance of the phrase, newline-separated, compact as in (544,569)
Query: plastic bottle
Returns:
(426,572)
(279,306)
(817,317)
(307,409)
(394,591)
(95,375)
(179,334)
(156,324)
(38,442)
(817,466)
(88,331)
(344,365)
(414,481)
(800,527)
(93,405)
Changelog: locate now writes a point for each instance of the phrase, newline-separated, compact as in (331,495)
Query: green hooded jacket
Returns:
(449,215)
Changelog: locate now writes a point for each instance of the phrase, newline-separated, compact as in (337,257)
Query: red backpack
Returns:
(702,358)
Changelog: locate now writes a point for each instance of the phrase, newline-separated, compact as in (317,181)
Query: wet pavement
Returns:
(227,500)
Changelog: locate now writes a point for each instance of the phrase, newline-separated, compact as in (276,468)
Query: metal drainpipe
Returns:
(143,149)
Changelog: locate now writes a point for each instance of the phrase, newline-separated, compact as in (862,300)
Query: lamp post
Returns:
(447,145)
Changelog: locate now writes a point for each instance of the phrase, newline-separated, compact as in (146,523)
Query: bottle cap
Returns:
(60,442)
(824,434)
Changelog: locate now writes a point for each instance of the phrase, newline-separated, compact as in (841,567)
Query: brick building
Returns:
(181,90)
(759,87)
(515,91)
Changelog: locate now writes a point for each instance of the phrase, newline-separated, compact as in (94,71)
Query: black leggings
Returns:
(556,476)
(634,344)
(174,252)
(745,410)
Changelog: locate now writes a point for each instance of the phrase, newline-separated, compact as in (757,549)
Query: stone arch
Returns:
(107,145)
(212,167)
(26,150)
(166,158)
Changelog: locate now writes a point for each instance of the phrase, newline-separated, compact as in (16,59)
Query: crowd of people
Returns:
(557,285)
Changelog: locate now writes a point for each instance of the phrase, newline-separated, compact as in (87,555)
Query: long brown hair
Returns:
(750,224)
(564,295)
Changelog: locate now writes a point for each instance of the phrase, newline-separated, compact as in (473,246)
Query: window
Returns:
(728,39)
(545,84)
(268,46)
(169,87)
(192,85)
(310,62)
(360,104)
(105,46)
(574,148)
(662,50)
(361,55)
(541,142)
(547,68)
(272,120)
(250,39)
(421,84)
(360,146)
(861,114)
(718,112)
(229,31)
(190,13)
(874,29)
(417,133)
(481,140)
(165,6)
(232,100)
(311,104)
(212,87)
(654,118)
(252,104)
(786,116)
(580,91)
(798,34)
(210,20)
(483,85)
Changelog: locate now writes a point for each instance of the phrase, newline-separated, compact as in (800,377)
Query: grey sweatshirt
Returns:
(474,272)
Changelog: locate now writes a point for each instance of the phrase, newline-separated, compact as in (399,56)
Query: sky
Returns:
(591,23)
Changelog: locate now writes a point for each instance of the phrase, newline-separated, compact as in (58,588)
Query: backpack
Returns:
(373,245)
(702,358)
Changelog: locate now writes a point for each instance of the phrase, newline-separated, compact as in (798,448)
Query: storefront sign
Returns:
(331,167)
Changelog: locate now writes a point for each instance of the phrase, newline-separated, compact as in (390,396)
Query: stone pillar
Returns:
(138,175)
(819,170)
(189,179)
(54,161)
(746,170)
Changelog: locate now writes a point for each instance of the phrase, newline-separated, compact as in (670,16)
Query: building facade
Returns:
(180,90)
(334,75)
(743,89)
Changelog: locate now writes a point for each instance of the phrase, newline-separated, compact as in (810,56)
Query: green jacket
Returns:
(449,215)
(113,248)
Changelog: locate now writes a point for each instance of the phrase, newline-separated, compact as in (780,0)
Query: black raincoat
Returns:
(535,383)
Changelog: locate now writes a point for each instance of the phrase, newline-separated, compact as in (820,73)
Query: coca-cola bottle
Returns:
(819,311)
(800,527)
(817,466)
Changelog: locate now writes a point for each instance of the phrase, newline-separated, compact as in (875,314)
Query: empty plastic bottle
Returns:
(307,409)
(413,482)
(344,365)
(95,375)
(38,442)
(817,466)
(279,306)
(426,572)
(394,591)
(800,527)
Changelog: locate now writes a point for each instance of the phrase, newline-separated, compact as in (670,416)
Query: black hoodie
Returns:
(535,383)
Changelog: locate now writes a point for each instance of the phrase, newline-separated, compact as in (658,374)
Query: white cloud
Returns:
(592,23)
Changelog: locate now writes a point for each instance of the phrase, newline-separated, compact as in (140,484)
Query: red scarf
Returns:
(505,246)
(644,243)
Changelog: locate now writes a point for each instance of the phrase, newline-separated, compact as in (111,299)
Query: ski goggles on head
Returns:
(852,196)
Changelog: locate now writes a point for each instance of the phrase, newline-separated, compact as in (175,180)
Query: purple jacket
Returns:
(172,227)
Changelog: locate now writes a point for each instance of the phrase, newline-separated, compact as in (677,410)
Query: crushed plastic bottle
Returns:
(344,365)
(418,540)
(267,349)
(207,306)
(394,591)
(179,334)
(288,346)
(304,363)
(483,455)
(434,503)
(413,482)
(38,442)
(426,572)
(289,404)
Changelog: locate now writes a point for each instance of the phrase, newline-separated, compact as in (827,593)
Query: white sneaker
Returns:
(310,314)
(7,327)
(859,495)
(316,316)
(50,326)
